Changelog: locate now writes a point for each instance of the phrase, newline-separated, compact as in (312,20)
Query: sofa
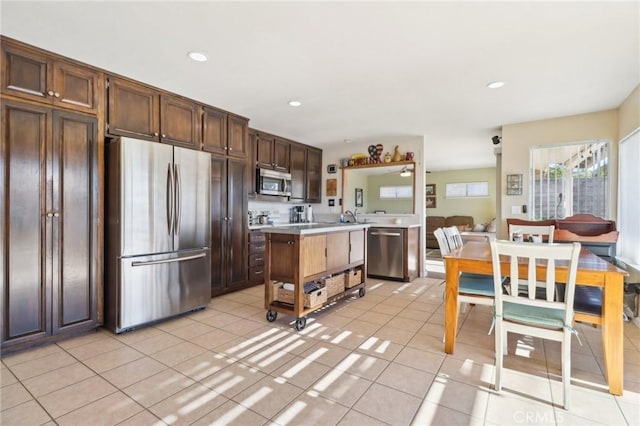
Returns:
(435,222)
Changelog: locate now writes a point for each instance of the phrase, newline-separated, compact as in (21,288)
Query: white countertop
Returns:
(310,228)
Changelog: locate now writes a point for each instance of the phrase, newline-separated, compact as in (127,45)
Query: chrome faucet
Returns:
(354,215)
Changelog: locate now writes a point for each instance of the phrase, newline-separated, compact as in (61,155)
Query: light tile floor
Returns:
(374,360)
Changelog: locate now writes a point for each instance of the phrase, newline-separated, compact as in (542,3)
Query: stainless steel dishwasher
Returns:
(385,253)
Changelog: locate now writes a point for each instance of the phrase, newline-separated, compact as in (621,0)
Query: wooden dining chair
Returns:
(472,288)
(548,318)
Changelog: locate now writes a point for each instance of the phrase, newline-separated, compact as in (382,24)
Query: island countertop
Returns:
(314,228)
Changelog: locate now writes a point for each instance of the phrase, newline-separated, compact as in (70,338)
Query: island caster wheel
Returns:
(301,323)
(271,315)
(362,292)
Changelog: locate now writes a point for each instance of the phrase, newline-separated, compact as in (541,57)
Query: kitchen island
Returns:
(333,254)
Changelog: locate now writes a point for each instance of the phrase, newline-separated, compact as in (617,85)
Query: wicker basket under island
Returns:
(327,255)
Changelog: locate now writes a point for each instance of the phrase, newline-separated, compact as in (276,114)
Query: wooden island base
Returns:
(302,254)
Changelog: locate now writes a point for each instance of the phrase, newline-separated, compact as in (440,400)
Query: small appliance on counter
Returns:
(297,214)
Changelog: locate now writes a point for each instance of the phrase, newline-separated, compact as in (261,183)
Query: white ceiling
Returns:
(365,71)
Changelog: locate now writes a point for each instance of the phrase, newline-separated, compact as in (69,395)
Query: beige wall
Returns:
(483,209)
(629,114)
(517,139)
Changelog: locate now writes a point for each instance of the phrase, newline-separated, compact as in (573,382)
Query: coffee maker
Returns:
(296,214)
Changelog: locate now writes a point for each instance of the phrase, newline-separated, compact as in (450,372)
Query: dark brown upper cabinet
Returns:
(314,175)
(224,133)
(237,136)
(272,152)
(33,75)
(298,168)
(214,131)
(142,112)
(179,122)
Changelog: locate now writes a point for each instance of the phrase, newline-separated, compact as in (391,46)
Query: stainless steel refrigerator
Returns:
(158,232)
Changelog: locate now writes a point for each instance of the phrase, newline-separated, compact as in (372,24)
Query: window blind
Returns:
(628,201)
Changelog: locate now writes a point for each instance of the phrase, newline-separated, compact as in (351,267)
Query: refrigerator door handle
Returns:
(170,199)
(175,259)
(178,199)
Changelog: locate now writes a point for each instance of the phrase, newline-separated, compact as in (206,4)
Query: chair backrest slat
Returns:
(553,256)
(442,241)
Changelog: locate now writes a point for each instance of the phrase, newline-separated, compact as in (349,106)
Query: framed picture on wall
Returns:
(430,201)
(359,197)
(514,184)
(430,189)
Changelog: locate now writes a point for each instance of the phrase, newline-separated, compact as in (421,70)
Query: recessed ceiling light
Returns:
(347,141)
(295,103)
(495,84)
(197,56)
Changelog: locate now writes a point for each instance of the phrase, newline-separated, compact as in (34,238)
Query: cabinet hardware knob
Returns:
(226,148)
(290,243)
(50,92)
(56,214)
(230,149)
(49,214)
(259,272)
(56,94)
(155,134)
(164,136)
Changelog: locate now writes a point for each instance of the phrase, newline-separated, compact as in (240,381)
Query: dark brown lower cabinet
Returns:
(50,252)
(228,225)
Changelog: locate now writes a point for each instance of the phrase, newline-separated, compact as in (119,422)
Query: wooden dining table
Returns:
(475,257)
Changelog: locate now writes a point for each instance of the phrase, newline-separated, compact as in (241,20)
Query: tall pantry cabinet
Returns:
(49,254)
(226,137)
(50,195)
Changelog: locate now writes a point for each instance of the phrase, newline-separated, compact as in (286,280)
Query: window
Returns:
(628,201)
(570,179)
(395,192)
(467,189)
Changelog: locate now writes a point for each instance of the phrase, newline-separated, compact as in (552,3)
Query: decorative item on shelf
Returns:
(408,156)
(379,149)
(344,162)
(387,158)
(396,154)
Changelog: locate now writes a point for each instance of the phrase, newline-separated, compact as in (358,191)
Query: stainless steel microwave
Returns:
(271,182)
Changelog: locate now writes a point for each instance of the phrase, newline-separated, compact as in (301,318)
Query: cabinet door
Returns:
(214,131)
(251,164)
(281,155)
(237,251)
(218,190)
(179,122)
(337,249)
(238,136)
(76,87)
(297,169)
(25,73)
(264,151)
(356,246)
(133,110)
(314,254)
(314,175)
(75,201)
(25,229)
